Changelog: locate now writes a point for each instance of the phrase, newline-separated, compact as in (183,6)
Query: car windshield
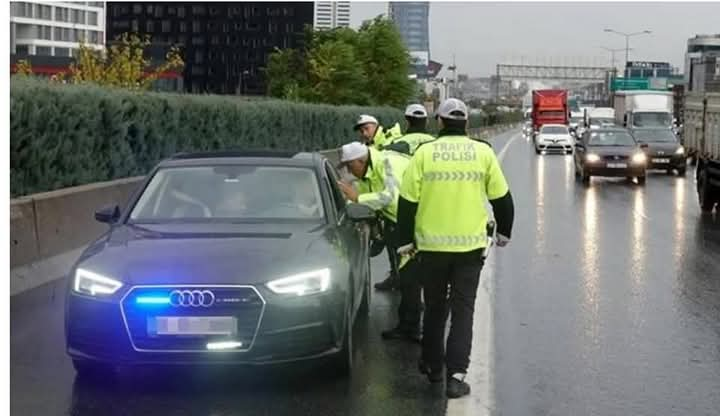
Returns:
(652,136)
(602,121)
(611,138)
(651,119)
(229,193)
(554,130)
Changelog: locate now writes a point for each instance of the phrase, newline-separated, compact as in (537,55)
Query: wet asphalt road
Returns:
(607,302)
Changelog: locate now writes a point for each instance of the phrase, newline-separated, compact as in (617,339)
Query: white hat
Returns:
(365,119)
(416,111)
(352,151)
(452,109)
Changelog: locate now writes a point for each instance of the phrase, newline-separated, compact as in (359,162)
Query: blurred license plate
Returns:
(192,325)
(661,160)
(617,165)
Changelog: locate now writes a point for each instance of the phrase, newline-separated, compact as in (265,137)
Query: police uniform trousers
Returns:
(411,307)
(450,283)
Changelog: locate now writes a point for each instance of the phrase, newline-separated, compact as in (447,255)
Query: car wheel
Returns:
(641,180)
(342,362)
(669,171)
(705,194)
(92,370)
(682,171)
(537,151)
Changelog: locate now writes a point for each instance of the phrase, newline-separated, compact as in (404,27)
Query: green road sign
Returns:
(620,84)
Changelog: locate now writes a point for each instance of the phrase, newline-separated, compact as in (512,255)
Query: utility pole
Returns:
(453,68)
(627,41)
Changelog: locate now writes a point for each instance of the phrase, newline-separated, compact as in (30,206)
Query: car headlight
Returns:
(592,158)
(302,284)
(639,158)
(93,284)
(680,151)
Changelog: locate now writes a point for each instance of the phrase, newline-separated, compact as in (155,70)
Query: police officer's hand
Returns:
(501,240)
(348,190)
(407,249)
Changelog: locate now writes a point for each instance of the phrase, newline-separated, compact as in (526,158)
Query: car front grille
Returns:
(243,303)
(616,158)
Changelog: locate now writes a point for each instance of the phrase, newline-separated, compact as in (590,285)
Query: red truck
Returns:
(549,107)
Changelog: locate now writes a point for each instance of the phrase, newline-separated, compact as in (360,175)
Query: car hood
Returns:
(613,150)
(212,254)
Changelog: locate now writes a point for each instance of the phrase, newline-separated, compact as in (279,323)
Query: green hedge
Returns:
(63,135)
(68,135)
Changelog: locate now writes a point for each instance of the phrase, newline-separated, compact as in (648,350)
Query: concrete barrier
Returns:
(48,231)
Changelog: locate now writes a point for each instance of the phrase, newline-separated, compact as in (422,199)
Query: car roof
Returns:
(244,157)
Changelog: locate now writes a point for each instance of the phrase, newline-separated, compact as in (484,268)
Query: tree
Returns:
(344,66)
(386,63)
(24,67)
(123,65)
(335,75)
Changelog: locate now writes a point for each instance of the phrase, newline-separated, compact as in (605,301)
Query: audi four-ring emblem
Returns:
(192,298)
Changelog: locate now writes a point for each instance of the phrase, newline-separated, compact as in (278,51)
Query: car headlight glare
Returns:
(93,284)
(301,284)
(592,158)
(680,151)
(639,158)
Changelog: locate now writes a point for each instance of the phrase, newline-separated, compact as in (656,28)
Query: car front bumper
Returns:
(287,329)
(601,169)
(666,162)
(555,147)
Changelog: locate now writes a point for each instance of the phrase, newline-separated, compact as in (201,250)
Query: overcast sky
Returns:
(483,34)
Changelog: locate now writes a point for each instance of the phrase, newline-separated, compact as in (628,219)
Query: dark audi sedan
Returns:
(609,151)
(223,258)
(663,149)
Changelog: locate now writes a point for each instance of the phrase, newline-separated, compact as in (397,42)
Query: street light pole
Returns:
(627,41)
(612,54)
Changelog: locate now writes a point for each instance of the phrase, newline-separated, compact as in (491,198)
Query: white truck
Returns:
(599,117)
(701,138)
(643,108)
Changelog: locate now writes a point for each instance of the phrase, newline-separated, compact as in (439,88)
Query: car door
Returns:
(354,238)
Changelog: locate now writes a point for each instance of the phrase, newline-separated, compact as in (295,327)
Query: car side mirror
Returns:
(360,212)
(108,215)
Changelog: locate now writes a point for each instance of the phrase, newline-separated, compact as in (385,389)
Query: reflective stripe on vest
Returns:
(468,176)
(451,240)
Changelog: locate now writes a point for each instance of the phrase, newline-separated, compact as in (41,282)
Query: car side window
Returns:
(334,190)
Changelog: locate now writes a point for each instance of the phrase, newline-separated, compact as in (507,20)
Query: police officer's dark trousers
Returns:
(391,246)
(450,283)
(410,309)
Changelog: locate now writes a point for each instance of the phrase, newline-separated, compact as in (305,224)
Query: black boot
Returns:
(456,387)
(433,375)
(402,333)
(390,283)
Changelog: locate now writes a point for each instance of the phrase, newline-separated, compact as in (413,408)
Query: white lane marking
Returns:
(481,400)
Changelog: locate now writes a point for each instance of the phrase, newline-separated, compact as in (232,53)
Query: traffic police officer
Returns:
(379,174)
(442,215)
(373,134)
(416,133)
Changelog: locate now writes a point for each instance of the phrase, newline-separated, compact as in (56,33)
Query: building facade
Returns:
(225,45)
(331,14)
(46,28)
(697,48)
(412,20)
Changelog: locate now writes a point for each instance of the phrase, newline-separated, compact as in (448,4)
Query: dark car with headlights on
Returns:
(663,149)
(223,258)
(611,152)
